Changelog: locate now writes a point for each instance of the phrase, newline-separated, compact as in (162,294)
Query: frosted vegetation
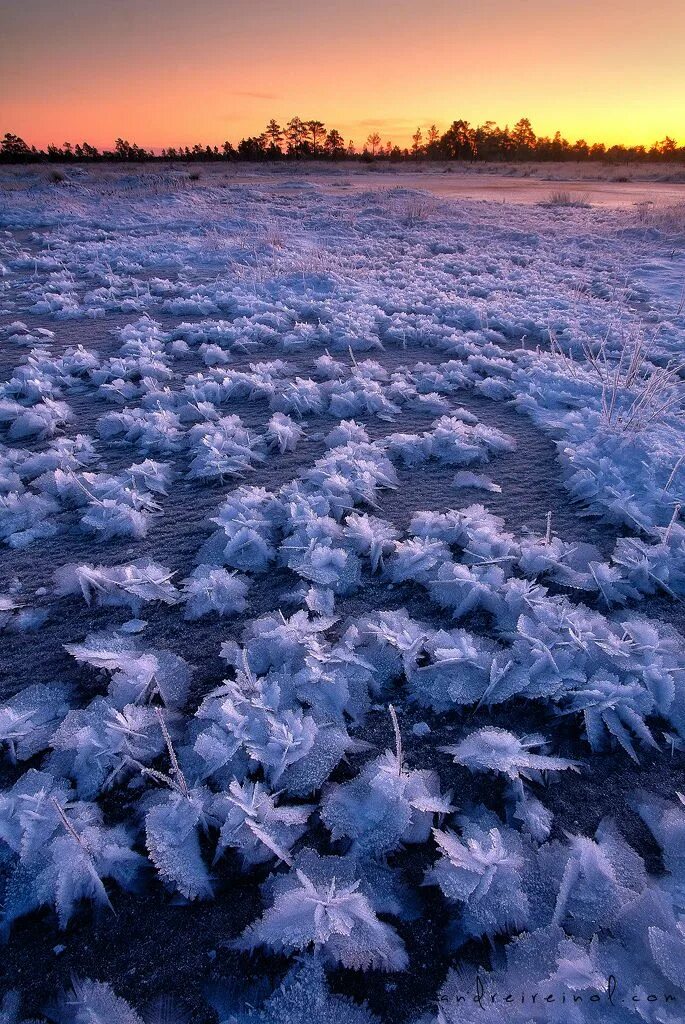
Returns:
(343,570)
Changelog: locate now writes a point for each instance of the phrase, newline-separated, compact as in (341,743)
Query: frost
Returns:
(223,449)
(94,1002)
(346,581)
(478,480)
(173,825)
(130,585)
(482,871)
(210,590)
(497,750)
(63,851)
(172,830)
(387,805)
(598,879)
(607,705)
(283,433)
(101,746)
(669,954)
(137,676)
(303,997)
(253,823)
(371,537)
(320,904)
(416,559)
(28,720)
(249,530)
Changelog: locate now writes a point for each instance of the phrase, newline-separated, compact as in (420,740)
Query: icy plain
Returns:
(341,606)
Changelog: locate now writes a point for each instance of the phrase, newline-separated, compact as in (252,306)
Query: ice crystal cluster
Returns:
(341,603)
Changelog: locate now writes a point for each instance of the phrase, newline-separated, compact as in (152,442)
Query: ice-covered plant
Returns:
(100,745)
(137,676)
(371,537)
(283,432)
(254,823)
(482,870)
(610,706)
(28,720)
(320,904)
(497,750)
(173,824)
(208,590)
(129,585)
(386,805)
(62,850)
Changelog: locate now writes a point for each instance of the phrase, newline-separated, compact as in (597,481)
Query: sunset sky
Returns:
(175,72)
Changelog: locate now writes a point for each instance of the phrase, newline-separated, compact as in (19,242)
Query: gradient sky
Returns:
(174,72)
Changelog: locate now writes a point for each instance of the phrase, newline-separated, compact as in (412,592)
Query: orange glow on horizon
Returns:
(168,73)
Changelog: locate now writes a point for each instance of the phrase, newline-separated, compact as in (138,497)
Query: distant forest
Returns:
(302,140)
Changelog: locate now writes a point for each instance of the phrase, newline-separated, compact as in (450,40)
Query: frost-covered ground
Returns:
(343,568)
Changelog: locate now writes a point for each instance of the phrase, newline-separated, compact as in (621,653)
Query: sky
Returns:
(175,72)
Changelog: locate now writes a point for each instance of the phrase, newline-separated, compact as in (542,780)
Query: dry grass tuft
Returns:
(567,199)
(669,218)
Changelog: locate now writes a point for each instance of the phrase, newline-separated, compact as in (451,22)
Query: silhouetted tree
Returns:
(251,149)
(335,144)
(274,134)
(458,142)
(523,138)
(14,147)
(317,133)
(461,141)
(374,140)
(296,135)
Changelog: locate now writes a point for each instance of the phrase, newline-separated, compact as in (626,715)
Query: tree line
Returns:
(300,139)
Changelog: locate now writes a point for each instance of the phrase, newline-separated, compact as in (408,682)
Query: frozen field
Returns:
(342,569)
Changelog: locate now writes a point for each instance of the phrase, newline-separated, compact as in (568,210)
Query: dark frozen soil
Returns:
(154,944)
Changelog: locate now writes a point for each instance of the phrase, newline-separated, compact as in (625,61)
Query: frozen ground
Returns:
(341,603)
(614,186)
